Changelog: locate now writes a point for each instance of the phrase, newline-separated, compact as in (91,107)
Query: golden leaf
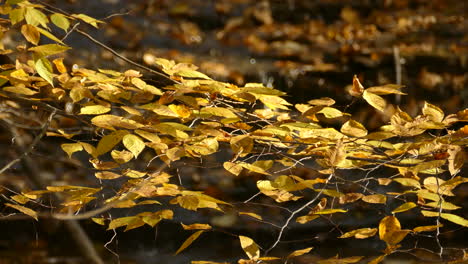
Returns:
(189,241)
(108,142)
(404,207)
(60,21)
(196,227)
(94,110)
(357,89)
(250,247)
(256,216)
(107,175)
(360,233)
(49,49)
(71,148)
(353,128)
(30,33)
(134,144)
(433,112)
(374,100)
(24,210)
(299,252)
(44,69)
(375,198)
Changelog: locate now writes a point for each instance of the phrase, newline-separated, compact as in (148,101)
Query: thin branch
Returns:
(33,144)
(291,216)
(118,55)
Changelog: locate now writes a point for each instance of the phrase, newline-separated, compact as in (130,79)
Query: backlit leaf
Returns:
(353,128)
(87,19)
(60,21)
(44,69)
(450,217)
(374,100)
(35,17)
(404,207)
(94,110)
(30,33)
(48,49)
(196,227)
(433,112)
(256,216)
(189,241)
(107,175)
(23,210)
(108,142)
(71,148)
(250,247)
(134,144)
(375,198)
(121,156)
(299,252)
(360,233)
(426,228)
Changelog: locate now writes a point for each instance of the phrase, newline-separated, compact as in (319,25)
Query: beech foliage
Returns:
(195,116)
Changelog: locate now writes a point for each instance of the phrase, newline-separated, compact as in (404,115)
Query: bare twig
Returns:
(33,144)
(291,216)
(118,55)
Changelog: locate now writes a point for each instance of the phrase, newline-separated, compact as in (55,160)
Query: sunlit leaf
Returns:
(71,148)
(374,100)
(299,252)
(94,110)
(44,69)
(87,19)
(404,207)
(134,144)
(189,241)
(36,17)
(353,128)
(30,33)
(107,175)
(60,21)
(250,247)
(426,228)
(256,216)
(360,233)
(49,49)
(108,142)
(450,217)
(375,198)
(24,210)
(196,227)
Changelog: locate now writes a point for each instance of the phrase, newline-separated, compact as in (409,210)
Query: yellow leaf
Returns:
(306,218)
(188,202)
(386,89)
(450,217)
(87,19)
(242,144)
(134,144)
(233,168)
(60,21)
(152,218)
(256,216)
(17,15)
(375,198)
(134,173)
(218,111)
(49,35)
(433,112)
(59,65)
(299,252)
(111,121)
(353,128)
(189,241)
(108,142)
(30,33)
(107,175)
(374,100)
(326,101)
(94,110)
(48,49)
(336,260)
(426,228)
(24,210)
(19,89)
(404,207)
(330,112)
(360,233)
(121,156)
(192,74)
(330,211)
(130,221)
(35,17)
(357,88)
(196,227)
(388,226)
(250,247)
(44,69)
(436,185)
(408,182)
(99,221)
(71,148)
